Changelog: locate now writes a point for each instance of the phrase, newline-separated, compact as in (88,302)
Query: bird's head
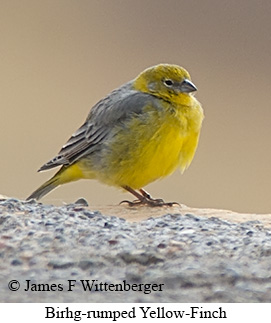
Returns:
(169,82)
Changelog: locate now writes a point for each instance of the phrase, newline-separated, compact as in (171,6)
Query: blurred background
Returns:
(59,57)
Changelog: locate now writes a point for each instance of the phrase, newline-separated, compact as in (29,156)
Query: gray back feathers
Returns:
(116,108)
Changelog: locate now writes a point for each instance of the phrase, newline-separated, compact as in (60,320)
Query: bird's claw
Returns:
(149,202)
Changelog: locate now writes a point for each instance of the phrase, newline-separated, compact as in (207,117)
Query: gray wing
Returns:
(119,106)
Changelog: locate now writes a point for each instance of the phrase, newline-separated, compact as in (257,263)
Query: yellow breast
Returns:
(151,148)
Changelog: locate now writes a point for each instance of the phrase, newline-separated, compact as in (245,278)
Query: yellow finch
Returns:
(138,133)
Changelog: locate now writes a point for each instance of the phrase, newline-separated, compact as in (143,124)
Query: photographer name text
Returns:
(86,285)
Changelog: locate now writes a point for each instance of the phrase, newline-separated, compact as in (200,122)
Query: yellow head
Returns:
(169,82)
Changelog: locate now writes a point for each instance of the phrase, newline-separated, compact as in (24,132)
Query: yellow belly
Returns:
(149,151)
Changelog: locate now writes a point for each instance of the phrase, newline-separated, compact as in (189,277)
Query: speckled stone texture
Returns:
(197,259)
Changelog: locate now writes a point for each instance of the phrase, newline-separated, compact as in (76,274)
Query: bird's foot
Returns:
(152,203)
(156,202)
(145,199)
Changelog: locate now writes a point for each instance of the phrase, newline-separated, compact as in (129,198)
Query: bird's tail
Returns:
(45,188)
(65,175)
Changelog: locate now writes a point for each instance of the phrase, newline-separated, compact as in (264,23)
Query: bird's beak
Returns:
(187,86)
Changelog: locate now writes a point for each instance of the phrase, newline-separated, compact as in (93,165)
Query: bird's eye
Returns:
(168,82)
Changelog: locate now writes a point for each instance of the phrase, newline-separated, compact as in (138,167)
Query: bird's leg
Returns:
(135,193)
(145,198)
(140,198)
(149,197)
(156,202)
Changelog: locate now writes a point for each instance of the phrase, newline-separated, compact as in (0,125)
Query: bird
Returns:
(139,133)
